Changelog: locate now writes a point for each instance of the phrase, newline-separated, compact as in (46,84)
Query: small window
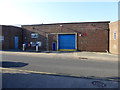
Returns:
(114,34)
(34,35)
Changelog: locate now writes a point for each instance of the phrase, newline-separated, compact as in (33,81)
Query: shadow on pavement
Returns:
(7,64)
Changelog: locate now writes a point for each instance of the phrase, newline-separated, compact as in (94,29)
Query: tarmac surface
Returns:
(89,70)
(35,80)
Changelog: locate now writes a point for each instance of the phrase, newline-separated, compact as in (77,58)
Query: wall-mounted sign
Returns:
(34,35)
(32,44)
(1,38)
(39,43)
(84,34)
(114,34)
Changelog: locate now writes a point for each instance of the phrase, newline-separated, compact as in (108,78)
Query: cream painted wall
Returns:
(113,43)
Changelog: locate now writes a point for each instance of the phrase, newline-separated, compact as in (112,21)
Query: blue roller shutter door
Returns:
(66,41)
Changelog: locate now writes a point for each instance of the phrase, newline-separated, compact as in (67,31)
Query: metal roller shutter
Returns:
(66,42)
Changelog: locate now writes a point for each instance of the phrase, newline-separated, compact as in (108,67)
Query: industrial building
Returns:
(77,36)
(80,36)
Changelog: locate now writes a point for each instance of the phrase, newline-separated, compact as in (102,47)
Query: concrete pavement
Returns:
(90,55)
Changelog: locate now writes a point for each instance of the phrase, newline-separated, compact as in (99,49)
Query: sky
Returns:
(16,12)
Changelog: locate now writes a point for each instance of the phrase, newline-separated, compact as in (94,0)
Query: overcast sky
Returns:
(37,12)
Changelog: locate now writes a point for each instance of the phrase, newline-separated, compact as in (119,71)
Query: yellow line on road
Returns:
(75,53)
(27,71)
(47,73)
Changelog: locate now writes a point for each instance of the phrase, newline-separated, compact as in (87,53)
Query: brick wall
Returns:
(0,35)
(96,38)
(9,32)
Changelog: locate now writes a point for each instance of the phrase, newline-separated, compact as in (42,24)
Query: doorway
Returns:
(54,46)
(16,42)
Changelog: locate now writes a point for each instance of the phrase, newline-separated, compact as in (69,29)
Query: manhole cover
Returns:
(82,58)
(99,84)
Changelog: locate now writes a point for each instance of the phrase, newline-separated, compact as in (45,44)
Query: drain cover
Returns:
(82,58)
(99,84)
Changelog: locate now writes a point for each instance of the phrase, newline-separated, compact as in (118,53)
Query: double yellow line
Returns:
(47,73)
(75,54)
(26,71)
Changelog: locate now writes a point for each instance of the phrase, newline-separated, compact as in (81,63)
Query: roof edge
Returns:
(67,23)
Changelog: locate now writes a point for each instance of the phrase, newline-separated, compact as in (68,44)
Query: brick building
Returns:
(10,37)
(81,36)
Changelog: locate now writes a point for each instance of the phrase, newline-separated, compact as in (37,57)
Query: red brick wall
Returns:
(27,38)
(52,38)
(95,40)
(9,32)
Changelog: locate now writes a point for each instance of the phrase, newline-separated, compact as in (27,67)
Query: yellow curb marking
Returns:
(75,54)
(27,71)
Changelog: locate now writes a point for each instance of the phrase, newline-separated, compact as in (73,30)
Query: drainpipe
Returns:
(108,40)
(47,41)
(22,36)
(57,42)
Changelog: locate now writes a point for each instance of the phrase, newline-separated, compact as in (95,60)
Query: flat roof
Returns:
(10,26)
(67,23)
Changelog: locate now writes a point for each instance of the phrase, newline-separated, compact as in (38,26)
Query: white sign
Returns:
(39,43)
(34,35)
(32,44)
(1,38)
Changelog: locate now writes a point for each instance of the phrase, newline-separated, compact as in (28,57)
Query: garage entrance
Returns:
(66,42)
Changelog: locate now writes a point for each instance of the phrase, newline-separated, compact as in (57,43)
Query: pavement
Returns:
(91,55)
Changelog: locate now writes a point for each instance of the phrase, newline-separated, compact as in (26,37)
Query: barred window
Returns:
(34,35)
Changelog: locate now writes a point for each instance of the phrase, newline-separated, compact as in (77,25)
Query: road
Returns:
(35,80)
(63,65)
(37,70)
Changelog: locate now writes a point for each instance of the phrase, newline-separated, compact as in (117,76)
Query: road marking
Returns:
(60,74)
(75,54)
(28,71)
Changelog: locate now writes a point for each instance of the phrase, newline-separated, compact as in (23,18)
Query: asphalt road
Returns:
(65,65)
(33,80)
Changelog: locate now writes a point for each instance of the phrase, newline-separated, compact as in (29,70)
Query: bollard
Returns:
(36,48)
(23,47)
